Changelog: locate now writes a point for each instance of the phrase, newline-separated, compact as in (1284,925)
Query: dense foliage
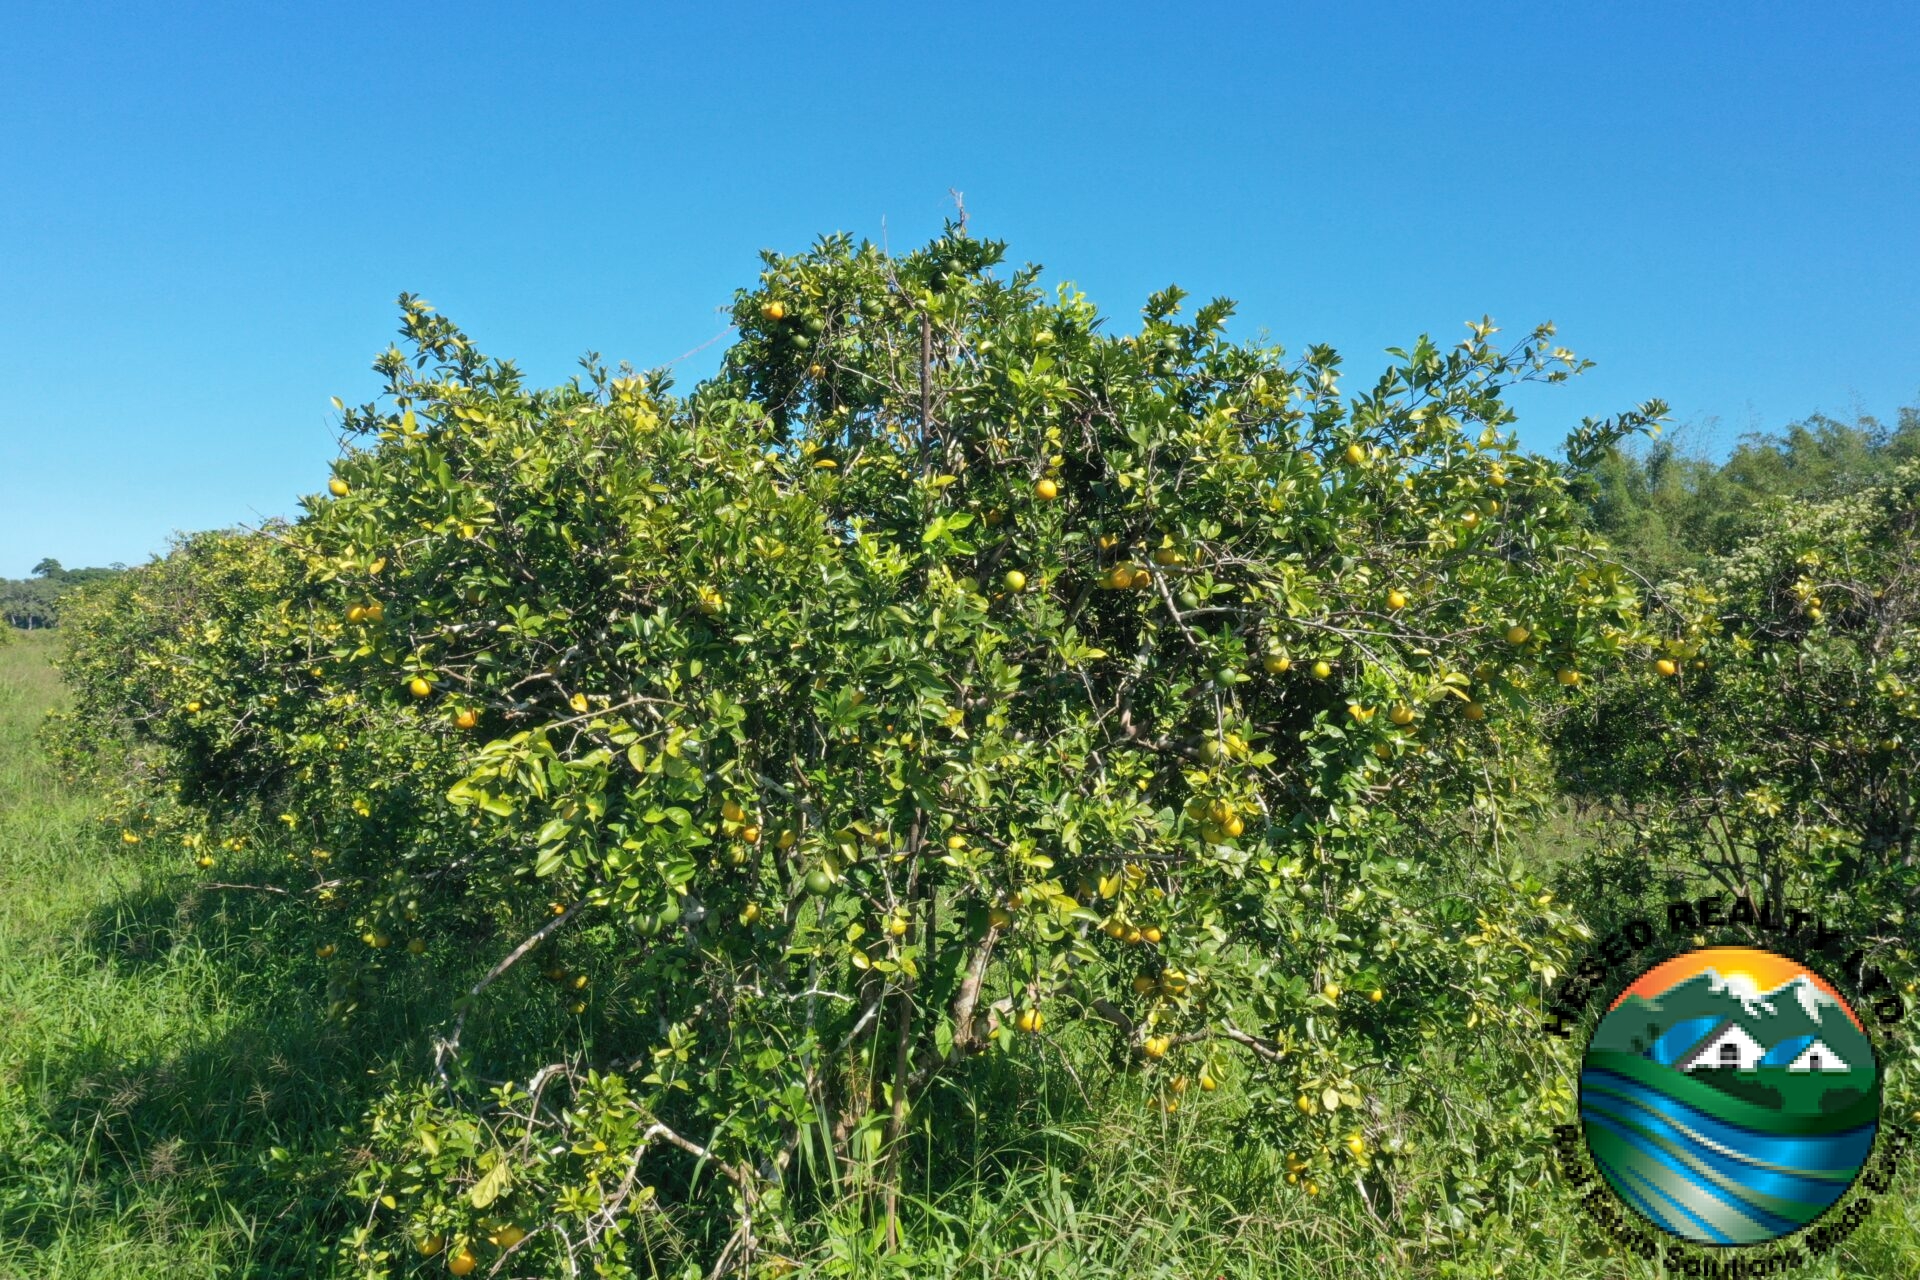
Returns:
(943,673)
(1663,509)
(951,680)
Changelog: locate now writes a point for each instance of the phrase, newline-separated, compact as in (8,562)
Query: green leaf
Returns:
(493,1184)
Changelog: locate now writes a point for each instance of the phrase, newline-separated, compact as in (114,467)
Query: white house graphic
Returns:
(1731,1046)
(1818,1057)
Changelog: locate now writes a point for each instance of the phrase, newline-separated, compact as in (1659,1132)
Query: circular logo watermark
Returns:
(1730,1096)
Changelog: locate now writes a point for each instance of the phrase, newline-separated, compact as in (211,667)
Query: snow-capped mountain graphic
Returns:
(1796,1026)
(1805,992)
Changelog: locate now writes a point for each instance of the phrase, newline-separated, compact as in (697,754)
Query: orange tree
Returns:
(945,673)
(1764,743)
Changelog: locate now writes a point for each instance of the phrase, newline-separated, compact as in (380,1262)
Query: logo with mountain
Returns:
(1730,1096)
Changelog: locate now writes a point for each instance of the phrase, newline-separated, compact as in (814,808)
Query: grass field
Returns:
(172,1097)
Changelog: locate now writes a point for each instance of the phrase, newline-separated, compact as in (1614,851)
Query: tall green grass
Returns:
(174,1102)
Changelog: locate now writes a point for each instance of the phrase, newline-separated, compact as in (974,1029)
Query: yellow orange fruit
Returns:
(419,687)
(1517,634)
(1046,490)
(338,487)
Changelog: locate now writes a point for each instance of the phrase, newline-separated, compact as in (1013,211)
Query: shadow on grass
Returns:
(222,1106)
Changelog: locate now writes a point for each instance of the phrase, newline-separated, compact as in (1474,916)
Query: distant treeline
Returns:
(33,604)
(1666,509)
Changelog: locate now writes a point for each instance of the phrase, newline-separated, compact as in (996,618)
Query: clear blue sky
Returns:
(206,211)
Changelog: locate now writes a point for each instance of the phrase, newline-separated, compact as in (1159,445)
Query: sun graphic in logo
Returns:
(1730,1096)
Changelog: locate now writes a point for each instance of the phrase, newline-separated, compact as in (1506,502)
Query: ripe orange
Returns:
(1356,454)
(774,310)
(1567,676)
(465,718)
(1667,667)
(1276,663)
(1396,600)
(1156,1046)
(1517,634)
(1401,713)
(1031,1020)
(462,1262)
(1151,933)
(419,687)
(430,1245)
(338,487)
(1322,669)
(1046,490)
